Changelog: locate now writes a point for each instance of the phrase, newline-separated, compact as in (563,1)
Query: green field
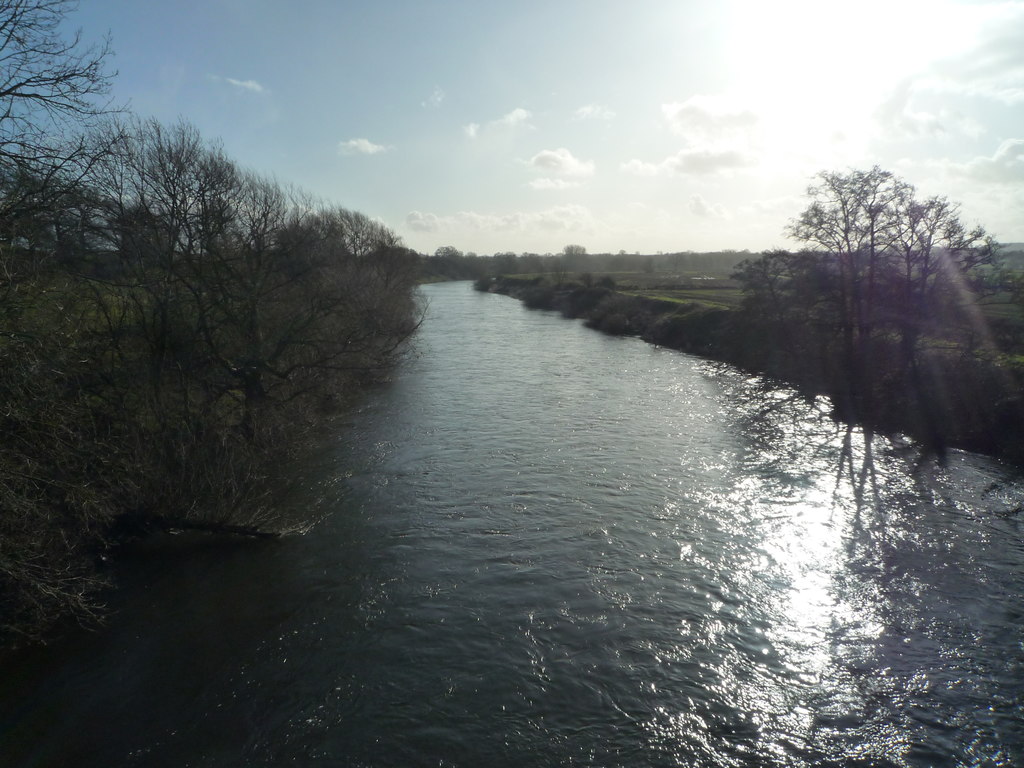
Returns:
(712,296)
(720,291)
(708,289)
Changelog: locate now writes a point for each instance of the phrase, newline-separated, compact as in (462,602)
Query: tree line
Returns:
(882,311)
(171,325)
(448,262)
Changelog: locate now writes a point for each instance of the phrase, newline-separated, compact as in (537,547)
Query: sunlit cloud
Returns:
(434,100)
(361,147)
(563,218)
(704,161)
(640,168)
(718,136)
(548,184)
(422,222)
(562,162)
(517,118)
(700,161)
(244,85)
(990,69)
(994,67)
(898,116)
(708,117)
(594,112)
(1005,166)
(784,207)
(247,85)
(700,207)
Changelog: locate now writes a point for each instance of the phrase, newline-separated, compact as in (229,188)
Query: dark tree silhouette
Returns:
(53,90)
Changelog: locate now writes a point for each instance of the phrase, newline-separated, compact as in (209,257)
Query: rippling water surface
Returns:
(545,546)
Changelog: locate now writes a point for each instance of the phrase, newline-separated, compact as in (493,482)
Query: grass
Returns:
(717,291)
(1001,306)
(715,298)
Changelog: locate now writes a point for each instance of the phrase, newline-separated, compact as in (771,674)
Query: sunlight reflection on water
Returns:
(833,677)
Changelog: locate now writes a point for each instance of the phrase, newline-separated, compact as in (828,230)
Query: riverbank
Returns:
(953,398)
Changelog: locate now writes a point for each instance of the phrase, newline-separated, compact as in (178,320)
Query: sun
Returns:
(816,73)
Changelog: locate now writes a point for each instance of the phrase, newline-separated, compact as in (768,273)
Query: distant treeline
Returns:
(171,326)
(892,313)
(449,263)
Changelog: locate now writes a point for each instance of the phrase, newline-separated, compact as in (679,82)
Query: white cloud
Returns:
(641,168)
(718,133)
(994,67)
(899,114)
(422,222)
(701,207)
(703,161)
(709,117)
(699,161)
(546,184)
(776,207)
(933,101)
(594,112)
(434,100)
(517,118)
(562,162)
(1006,166)
(361,147)
(568,218)
(245,85)
(562,218)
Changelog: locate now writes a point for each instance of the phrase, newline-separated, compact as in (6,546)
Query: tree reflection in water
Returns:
(892,584)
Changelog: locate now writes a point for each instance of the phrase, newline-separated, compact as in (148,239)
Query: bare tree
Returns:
(574,257)
(850,218)
(237,300)
(934,263)
(53,89)
(900,261)
(202,318)
(53,93)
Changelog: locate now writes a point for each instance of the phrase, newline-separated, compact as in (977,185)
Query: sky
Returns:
(642,126)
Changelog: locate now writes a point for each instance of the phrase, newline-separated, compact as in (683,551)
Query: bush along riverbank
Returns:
(173,330)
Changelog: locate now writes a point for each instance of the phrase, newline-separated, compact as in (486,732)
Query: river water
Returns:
(543,546)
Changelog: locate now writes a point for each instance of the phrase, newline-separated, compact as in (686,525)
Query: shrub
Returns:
(538,296)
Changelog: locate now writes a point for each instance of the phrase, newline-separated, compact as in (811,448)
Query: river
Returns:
(543,546)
